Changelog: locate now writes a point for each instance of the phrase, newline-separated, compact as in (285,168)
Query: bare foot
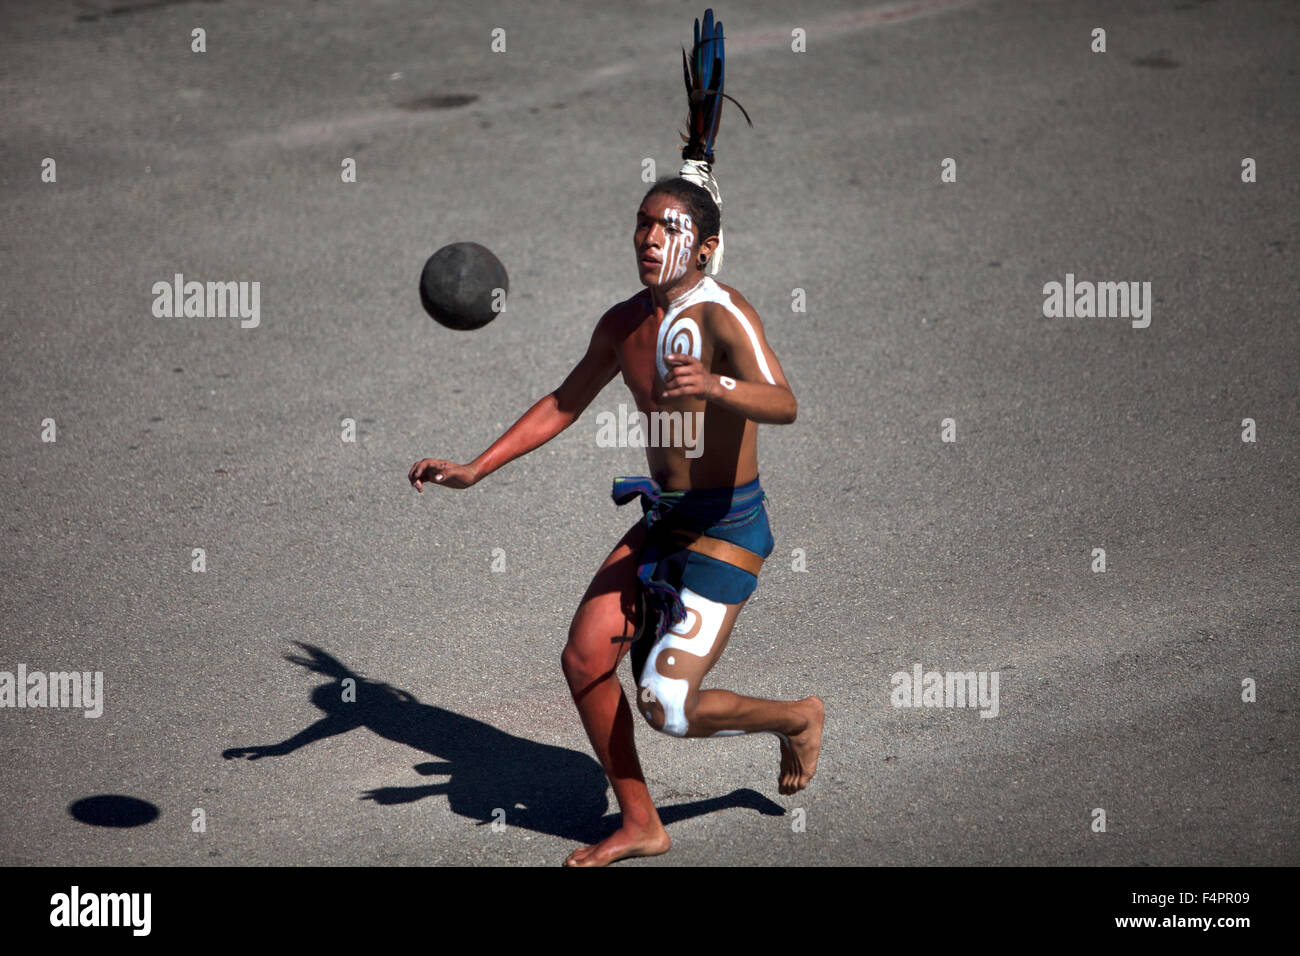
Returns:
(799,751)
(626,841)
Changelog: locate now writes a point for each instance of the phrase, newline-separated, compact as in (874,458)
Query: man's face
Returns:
(665,240)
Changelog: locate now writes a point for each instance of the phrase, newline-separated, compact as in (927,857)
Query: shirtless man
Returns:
(674,584)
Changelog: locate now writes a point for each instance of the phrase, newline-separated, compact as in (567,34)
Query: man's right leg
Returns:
(591,657)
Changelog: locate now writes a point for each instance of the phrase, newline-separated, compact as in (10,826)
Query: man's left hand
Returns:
(687,378)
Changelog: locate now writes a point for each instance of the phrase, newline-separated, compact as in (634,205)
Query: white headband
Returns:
(698,172)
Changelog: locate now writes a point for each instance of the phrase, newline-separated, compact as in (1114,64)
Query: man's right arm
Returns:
(555,412)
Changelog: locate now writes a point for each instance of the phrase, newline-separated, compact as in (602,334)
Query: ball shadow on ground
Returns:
(113,810)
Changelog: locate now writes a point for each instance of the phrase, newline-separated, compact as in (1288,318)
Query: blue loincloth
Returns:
(736,514)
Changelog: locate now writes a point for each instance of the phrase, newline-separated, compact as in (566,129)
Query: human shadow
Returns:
(539,787)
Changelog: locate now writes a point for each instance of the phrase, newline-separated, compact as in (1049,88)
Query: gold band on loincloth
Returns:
(719,550)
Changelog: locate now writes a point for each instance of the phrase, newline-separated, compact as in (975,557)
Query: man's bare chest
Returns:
(643,352)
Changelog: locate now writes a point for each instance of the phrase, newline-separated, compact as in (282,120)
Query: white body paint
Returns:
(679,333)
(695,635)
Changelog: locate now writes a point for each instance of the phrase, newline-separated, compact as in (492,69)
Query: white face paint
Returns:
(677,248)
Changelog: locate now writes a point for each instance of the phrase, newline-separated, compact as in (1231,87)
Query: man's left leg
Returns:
(670,698)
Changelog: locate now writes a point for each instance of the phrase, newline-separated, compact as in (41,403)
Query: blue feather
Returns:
(706,51)
(719,57)
(704,73)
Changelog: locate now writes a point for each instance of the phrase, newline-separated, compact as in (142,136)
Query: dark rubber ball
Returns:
(463,286)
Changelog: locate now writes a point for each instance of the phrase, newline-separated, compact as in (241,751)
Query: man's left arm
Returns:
(759,391)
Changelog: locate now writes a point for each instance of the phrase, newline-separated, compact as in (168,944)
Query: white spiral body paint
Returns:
(679,333)
(683,334)
(694,635)
(677,250)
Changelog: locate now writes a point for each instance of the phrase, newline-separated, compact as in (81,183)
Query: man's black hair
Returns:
(699,204)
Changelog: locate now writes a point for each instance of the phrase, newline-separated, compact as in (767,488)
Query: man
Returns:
(674,585)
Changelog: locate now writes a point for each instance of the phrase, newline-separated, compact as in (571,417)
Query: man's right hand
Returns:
(442,473)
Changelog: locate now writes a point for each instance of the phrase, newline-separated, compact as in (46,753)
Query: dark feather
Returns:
(704,73)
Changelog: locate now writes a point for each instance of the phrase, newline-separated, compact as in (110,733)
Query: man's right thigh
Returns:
(608,610)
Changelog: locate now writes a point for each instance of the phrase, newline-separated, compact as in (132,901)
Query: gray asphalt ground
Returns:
(1119,690)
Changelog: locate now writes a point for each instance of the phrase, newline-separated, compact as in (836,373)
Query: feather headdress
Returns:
(705,72)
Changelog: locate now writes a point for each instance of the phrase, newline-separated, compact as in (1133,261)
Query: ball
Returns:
(463,286)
